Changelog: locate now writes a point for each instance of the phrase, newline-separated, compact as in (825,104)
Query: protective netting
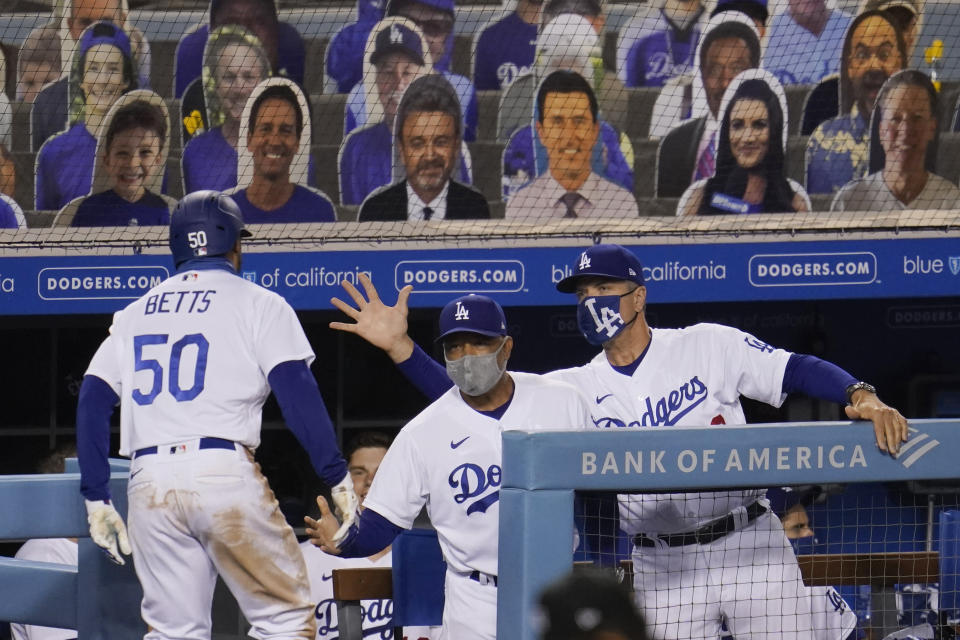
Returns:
(875,560)
(563,117)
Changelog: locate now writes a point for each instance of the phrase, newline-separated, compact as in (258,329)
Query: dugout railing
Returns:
(99,599)
(543,471)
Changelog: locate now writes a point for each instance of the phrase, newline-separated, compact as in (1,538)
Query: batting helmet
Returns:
(205,224)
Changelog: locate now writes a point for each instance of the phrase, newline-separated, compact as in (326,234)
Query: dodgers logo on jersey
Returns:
(759,345)
(665,411)
(376,618)
(473,481)
(462,312)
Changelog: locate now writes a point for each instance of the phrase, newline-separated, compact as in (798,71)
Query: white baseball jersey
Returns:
(60,551)
(448,458)
(688,377)
(377,614)
(191,357)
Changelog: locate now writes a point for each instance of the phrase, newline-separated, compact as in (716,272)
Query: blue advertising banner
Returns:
(914,268)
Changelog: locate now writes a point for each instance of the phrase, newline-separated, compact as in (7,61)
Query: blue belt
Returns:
(483,578)
(205,443)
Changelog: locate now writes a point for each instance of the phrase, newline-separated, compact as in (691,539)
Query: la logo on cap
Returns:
(584,261)
(462,312)
(396,37)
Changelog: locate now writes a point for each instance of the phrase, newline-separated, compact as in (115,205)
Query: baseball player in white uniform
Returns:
(364,455)
(191,364)
(448,459)
(704,557)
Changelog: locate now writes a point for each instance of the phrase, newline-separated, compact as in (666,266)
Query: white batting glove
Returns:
(107,529)
(345,499)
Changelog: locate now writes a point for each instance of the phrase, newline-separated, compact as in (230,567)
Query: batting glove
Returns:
(345,499)
(107,529)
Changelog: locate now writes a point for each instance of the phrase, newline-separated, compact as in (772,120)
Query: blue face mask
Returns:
(804,546)
(599,318)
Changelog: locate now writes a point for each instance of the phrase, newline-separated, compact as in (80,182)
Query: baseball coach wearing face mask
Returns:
(448,459)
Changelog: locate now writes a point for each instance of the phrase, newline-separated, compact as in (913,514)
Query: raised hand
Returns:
(382,326)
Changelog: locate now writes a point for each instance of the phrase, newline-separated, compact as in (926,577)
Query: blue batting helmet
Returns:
(205,224)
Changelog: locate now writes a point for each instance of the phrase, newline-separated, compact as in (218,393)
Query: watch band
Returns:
(857,386)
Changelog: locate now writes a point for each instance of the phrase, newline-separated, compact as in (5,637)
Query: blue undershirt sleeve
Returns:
(306,416)
(426,374)
(371,534)
(816,378)
(94,408)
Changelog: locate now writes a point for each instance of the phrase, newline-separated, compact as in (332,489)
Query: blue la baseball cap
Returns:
(472,313)
(105,32)
(400,39)
(604,260)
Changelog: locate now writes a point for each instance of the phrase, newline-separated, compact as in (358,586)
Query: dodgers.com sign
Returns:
(461,276)
(98,283)
(812,269)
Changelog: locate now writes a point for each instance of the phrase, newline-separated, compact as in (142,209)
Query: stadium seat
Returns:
(328,110)
(610,49)
(488,103)
(313,74)
(795,160)
(796,99)
(176,128)
(20,129)
(174,177)
(25,163)
(821,201)
(462,62)
(325,158)
(487,168)
(516,106)
(644,159)
(39,219)
(640,107)
(658,206)
(161,67)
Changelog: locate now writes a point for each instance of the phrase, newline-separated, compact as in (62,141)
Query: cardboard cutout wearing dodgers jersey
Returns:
(102,180)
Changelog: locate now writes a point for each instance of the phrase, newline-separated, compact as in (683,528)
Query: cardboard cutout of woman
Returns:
(273,164)
(101,72)
(132,147)
(234,63)
(749,175)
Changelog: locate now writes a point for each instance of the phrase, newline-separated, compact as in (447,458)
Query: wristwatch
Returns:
(857,386)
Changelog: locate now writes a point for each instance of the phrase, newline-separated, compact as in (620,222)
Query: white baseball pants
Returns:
(196,513)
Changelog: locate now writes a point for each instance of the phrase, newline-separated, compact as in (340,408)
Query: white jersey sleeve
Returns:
(278,335)
(399,491)
(106,364)
(753,366)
